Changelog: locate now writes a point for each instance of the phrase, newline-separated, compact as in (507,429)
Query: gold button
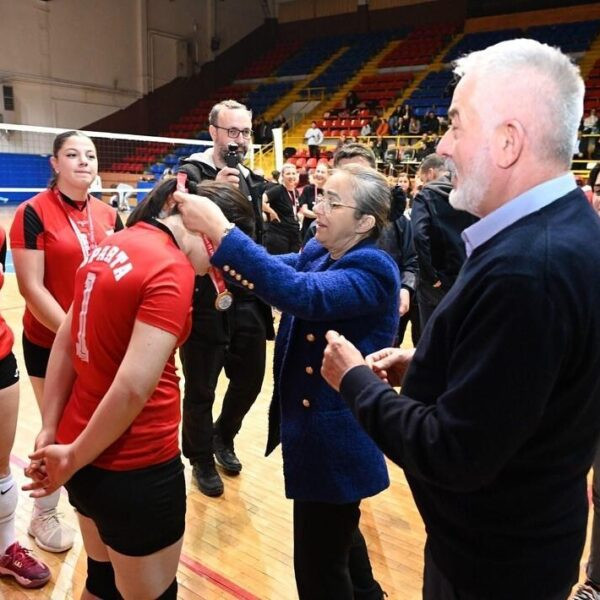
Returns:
(244,282)
(305,403)
(309,370)
(310,337)
(232,272)
(251,286)
(226,268)
(238,277)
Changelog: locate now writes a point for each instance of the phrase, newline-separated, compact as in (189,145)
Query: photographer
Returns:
(233,339)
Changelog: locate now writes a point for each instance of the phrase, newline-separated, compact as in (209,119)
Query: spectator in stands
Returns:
(437,228)
(414,126)
(280,203)
(365,130)
(380,148)
(51,235)
(383,128)
(233,340)
(314,138)
(499,415)
(394,122)
(262,131)
(341,277)
(590,123)
(405,117)
(342,139)
(351,101)
(430,123)
(310,196)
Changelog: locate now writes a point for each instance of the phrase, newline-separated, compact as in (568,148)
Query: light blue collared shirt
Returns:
(534,199)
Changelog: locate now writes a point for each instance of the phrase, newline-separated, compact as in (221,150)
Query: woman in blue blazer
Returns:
(341,281)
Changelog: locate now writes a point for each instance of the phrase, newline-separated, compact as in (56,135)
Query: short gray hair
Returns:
(231,105)
(354,150)
(433,161)
(557,93)
(371,193)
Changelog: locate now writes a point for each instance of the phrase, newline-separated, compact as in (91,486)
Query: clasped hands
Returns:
(389,364)
(51,465)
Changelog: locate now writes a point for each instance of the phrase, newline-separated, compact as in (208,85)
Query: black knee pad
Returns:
(101,580)
(170,593)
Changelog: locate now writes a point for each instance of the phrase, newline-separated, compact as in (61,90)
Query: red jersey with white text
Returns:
(6,334)
(138,274)
(65,231)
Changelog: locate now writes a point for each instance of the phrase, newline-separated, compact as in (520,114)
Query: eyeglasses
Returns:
(233,132)
(329,205)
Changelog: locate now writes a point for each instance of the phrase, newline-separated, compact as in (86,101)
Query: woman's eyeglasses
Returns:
(331,204)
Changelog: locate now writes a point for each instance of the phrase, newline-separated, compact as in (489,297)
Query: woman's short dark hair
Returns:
(59,142)
(230,200)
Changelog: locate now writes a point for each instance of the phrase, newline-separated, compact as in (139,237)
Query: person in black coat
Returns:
(234,339)
(436,233)
(397,240)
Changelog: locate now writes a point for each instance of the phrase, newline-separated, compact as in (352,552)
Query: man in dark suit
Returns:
(498,420)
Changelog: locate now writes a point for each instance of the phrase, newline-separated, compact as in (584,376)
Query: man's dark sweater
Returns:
(499,415)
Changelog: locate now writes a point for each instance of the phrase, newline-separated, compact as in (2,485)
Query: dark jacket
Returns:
(327,456)
(200,167)
(436,233)
(499,415)
(397,240)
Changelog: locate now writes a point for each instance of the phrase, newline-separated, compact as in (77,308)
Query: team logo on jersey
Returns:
(114,257)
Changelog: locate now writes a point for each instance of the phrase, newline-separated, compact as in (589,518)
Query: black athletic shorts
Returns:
(9,372)
(137,512)
(36,358)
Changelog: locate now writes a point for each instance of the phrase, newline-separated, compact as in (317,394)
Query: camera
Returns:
(232,157)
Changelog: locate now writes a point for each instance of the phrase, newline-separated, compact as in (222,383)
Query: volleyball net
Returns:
(130,164)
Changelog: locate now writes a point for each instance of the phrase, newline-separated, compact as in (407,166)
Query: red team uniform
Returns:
(6,334)
(137,274)
(65,232)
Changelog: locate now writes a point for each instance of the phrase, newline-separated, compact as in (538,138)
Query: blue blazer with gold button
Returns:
(327,456)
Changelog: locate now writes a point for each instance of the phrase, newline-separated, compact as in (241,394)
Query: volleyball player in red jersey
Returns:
(112,397)
(15,560)
(52,233)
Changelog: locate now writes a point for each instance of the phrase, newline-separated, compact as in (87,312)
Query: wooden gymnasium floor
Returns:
(238,546)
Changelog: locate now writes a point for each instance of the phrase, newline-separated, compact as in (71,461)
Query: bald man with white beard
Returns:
(499,413)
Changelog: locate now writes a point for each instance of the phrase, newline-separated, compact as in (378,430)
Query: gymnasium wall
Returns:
(72,62)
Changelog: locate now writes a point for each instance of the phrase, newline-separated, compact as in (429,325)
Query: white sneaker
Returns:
(49,533)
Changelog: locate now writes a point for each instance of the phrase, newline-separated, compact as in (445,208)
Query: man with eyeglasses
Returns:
(233,339)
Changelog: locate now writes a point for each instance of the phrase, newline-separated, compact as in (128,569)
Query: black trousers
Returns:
(280,240)
(414,318)
(313,151)
(233,340)
(331,561)
(437,587)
